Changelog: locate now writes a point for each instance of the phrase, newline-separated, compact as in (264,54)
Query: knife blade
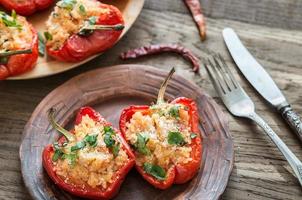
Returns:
(261,80)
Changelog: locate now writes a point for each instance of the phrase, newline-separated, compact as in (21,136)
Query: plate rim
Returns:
(25,76)
(209,99)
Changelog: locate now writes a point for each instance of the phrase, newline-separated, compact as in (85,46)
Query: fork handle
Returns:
(293,161)
(293,119)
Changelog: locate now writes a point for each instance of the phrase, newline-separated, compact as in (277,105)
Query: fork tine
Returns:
(217,77)
(214,80)
(223,73)
(234,81)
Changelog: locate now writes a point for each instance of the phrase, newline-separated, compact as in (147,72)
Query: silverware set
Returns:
(240,104)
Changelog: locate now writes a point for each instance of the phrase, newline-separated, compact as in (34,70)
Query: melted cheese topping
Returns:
(94,166)
(12,37)
(157,125)
(68,17)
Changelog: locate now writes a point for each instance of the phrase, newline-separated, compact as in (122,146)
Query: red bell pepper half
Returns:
(26,7)
(88,192)
(20,60)
(179,173)
(78,47)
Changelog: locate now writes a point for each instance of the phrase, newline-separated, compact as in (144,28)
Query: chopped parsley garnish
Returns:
(58,151)
(71,158)
(91,140)
(109,141)
(193,135)
(47,36)
(67,4)
(155,170)
(78,146)
(108,129)
(90,21)
(116,149)
(58,154)
(41,45)
(109,132)
(82,9)
(176,138)
(140,144)
(174,111)
(10,23)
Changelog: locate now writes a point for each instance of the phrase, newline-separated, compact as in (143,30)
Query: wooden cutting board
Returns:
(109,90)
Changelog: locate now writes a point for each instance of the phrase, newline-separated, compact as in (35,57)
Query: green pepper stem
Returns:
(163,87)
(10,53)
(117,27)
(55,125)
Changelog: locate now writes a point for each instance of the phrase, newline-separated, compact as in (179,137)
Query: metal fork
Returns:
(239,104)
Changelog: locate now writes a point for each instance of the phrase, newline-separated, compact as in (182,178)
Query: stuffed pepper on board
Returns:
(26,7)
(78,29)
(91,161)
(18,45)
(165,139)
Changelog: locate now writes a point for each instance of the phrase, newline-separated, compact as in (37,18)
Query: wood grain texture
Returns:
(260,171)
(109,90)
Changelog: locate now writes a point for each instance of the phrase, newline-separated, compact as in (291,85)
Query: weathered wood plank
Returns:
(273,13)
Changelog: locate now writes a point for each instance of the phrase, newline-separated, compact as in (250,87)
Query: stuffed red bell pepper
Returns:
(165,138)
(26,7)
(92,161)
(18,45)
(78,29)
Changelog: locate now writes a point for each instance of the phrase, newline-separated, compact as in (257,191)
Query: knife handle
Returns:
(293,119)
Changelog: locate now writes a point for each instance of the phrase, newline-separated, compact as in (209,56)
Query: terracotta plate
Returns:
(47,66)
(109,90)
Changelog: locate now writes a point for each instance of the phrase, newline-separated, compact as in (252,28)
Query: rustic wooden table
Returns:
(272,30)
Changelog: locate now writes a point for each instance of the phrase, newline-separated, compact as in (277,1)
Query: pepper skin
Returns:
(78,48)
(88,192)
(180,173)
(18,64)
(26,7)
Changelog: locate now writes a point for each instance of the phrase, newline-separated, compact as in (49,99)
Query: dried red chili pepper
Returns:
(159,48)
(195,8)
(181,172)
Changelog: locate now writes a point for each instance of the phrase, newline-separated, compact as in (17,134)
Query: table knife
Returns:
(261,80)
